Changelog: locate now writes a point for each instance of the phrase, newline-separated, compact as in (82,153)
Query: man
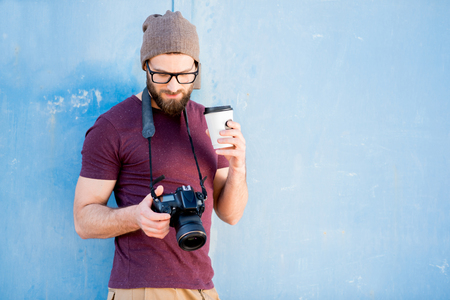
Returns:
(148,263)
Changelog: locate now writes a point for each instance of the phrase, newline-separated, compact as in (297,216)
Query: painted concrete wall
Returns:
(345,108)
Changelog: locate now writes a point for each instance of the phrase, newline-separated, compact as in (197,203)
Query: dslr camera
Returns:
(185,208)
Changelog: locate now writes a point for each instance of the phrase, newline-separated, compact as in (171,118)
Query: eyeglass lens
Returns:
(165,78)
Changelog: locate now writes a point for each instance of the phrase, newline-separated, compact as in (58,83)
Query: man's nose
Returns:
(173,85)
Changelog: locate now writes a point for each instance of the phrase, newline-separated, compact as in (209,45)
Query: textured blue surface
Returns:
(345,108)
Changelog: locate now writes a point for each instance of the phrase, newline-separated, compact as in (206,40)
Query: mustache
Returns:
(171,93)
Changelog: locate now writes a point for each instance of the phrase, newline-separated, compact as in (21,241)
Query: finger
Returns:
(158,235)
(159,216)
(232,152)
(146,204)
(207,133)
(236,138)
(157,229)
(152,225)
(236,142)
(234,125)
(154,216)
(149,199)
(158,191)
(148,214)
(232,132)
(156,232)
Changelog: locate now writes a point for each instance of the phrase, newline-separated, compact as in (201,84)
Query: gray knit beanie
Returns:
(167,34)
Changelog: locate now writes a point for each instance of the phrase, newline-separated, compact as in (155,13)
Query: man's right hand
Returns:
(95,220)
(153,224)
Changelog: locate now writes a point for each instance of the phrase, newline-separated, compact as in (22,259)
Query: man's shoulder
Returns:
(124,110)
(195,107)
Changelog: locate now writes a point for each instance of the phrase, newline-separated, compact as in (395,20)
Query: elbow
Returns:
(82,235)
(81,224)
(79,230)
(231,220)
(230,216)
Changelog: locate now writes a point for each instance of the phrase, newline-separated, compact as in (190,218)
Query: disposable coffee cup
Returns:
(216,119)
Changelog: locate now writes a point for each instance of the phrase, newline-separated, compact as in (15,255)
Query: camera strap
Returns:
(195,156)
(148,131)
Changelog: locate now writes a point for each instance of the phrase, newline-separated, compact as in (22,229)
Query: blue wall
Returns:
(345,108)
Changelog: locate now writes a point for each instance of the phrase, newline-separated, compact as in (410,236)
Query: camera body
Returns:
(184,200)
(185,208)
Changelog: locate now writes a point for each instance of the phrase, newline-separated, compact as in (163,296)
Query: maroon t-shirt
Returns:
(114,149)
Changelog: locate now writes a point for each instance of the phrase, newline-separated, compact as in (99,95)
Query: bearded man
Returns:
(148,261)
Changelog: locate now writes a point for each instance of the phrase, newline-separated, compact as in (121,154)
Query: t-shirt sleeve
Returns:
(100,154)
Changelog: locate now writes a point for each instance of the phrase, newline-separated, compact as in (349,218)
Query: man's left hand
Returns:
(236,154)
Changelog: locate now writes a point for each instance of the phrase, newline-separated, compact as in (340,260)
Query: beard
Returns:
(172,107)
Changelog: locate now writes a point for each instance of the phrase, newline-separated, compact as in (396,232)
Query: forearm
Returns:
(233,198)
(100,221)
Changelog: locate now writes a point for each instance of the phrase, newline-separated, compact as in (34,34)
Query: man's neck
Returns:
(154,105)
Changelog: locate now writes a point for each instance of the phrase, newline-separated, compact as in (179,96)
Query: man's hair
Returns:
(176,53)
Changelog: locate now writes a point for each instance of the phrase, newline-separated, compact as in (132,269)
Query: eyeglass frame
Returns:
(172,75)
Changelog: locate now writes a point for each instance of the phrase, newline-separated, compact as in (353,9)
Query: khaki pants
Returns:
(162,294)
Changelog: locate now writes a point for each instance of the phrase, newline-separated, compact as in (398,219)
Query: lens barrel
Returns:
(190,232)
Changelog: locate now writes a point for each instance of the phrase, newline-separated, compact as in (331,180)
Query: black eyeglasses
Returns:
(163,77)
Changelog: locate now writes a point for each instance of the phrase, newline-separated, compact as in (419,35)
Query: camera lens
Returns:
(190,232)
(192,241)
